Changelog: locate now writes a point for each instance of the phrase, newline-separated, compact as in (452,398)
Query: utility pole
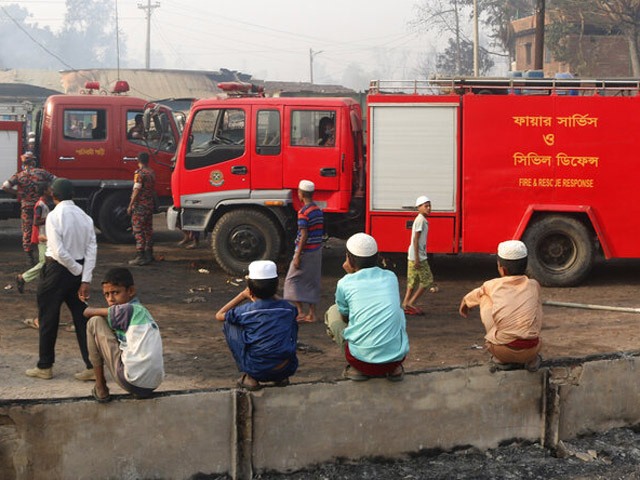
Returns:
(149,9)
(539,41)
(476,62)
(311,55)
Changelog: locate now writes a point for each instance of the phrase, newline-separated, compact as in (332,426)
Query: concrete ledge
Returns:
(307,424)
(177,436)
(169,437)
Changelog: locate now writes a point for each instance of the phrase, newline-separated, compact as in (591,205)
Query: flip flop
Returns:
(409,310)
(241,384)
(31,322)
(354,375)
(100,399)
(305,319)
(281,383)
(396,378)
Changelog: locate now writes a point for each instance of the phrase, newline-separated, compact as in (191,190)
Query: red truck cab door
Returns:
(216,159)
(85,138)
(313,137)
(160,142)
(266,158)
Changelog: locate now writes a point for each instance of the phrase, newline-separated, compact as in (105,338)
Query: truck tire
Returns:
(561,251)
(242,236)
(115,223)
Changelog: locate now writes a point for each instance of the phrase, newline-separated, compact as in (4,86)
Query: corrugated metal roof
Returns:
(157,83)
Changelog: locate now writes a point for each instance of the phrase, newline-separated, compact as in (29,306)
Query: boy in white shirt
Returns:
(419,276)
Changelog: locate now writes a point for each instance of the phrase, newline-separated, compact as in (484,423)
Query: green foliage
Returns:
(446,61)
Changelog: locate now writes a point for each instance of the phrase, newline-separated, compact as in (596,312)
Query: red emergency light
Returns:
(120,86)
(241,88)
(92,85)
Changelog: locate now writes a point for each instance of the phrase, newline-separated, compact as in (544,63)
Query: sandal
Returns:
(98,399)
(352,374)
(281,383)
(409,310)
(241,383)
(31,322)
(398,377)
(434,289)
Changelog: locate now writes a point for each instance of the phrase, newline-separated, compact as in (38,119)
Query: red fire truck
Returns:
(94,139)
(242,156)
(552,164)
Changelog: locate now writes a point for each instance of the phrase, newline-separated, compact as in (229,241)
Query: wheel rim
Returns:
(246,243)
(557,252)
(120,219)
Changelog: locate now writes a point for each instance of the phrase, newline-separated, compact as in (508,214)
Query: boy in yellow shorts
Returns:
(419,276)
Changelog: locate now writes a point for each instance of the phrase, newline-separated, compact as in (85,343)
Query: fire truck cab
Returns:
(94,140)
(240,161)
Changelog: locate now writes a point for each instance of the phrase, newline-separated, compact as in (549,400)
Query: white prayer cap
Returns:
(31,134)
(31,140)
(512,250)
(262,270)
(362,245)
(421,199)
(306,186)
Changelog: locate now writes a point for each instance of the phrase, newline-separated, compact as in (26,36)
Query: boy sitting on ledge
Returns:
(511,311)
(262,334)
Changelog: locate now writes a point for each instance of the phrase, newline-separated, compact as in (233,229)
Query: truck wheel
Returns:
(561,251)
(242,236)
(115,223)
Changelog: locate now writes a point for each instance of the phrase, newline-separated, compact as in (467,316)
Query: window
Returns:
(85,124)
(313,128)
(216,135)
(268,132)
(527,51)
(160,135)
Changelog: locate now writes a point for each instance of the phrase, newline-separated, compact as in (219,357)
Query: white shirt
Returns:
(71,237)
(421,225)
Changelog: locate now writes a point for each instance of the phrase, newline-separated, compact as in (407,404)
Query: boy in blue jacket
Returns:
(263,334)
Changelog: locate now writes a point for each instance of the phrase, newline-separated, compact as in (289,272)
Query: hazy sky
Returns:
(268,39)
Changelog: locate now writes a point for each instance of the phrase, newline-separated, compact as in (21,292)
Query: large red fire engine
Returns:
(553,164)
(94,140)
(242,156)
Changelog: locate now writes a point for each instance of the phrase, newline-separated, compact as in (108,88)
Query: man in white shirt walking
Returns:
(65,277)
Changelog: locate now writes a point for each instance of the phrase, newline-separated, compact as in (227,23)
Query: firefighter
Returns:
(141,208)
(24,185)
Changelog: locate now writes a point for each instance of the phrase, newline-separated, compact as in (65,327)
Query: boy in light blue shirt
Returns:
(367,321)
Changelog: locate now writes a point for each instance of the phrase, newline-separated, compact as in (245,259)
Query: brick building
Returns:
(597,54)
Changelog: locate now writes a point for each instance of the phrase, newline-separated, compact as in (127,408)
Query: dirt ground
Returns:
(184,301)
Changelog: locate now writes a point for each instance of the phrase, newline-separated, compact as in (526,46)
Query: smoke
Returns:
(87,38)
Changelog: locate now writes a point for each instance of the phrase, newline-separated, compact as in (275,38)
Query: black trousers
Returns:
(58,285)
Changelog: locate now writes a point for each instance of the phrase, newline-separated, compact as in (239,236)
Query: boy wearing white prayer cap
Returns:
(302,284)
(419,276)
(367,321)
(262,334)
(511,311)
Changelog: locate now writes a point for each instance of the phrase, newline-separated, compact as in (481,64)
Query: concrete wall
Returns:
(308,424)
(178,436)
(170,437)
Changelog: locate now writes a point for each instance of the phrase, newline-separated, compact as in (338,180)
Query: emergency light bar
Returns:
(242,89)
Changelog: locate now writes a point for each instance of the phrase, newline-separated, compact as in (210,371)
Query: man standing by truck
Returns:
(141,209)
(24,185)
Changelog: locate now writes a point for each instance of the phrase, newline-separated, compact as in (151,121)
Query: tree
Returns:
(497,15)
(445,16)
(452,17)
(88,36)
(604,17)
(446,66)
